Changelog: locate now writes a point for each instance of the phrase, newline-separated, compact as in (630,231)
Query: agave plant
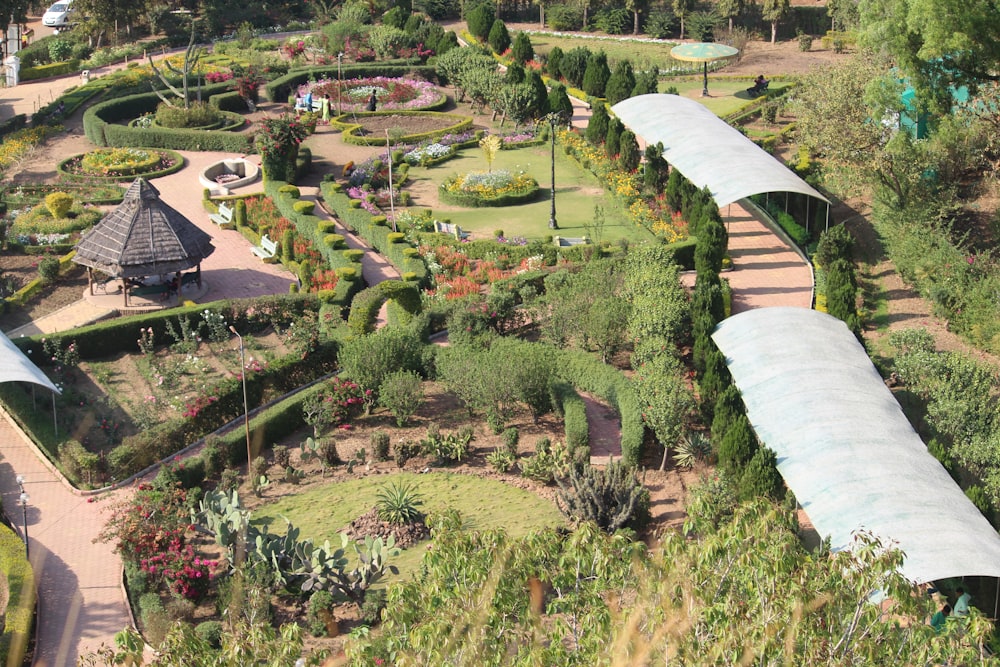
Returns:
(398,504)
(693,447)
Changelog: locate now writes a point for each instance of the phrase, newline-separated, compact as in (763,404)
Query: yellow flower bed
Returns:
(18,144)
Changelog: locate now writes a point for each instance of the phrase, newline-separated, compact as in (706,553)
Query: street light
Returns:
(553,119)
(246,410)
(340,57)
(22,500)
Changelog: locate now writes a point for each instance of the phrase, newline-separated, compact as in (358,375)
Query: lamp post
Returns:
(246,410)
(553,119)
(340,80)
(23,500)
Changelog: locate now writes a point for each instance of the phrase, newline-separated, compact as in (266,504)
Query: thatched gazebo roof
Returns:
(143,237)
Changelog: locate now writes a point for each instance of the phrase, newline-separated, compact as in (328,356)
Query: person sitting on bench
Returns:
(759,86)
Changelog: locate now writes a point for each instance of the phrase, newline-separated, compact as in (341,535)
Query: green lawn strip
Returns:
(724,96)
(322,512)
(639,52)
(577,192)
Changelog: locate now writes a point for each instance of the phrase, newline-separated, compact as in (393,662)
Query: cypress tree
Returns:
(480,21)
(628,156)
(654,173)
(499,37)
(738,445)
(515,74)
(595,78)
(560,103)
(646,83)
(674,191)
(553,62)
(728,407)
(573,65)
(612,145)
(711,248)
(540,103)
(521,51)
(621,83)
(713,381)
(761,478)
(597,126)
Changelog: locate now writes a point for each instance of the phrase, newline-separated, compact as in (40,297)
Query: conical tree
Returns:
(621,83)
(728,408)
(515,74)
(499,38)
(559,103)
(553,62)
(761,478)
(597,127)
(738,445)
(646,83)
(612,145)
(521,51)
(628,152)
(540,103)
(595,78)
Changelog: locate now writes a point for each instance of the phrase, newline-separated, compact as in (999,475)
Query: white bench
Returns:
(566,241)
(449,228)
(223,217)
(267,248)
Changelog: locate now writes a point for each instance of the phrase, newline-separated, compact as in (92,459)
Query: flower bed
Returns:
(494,188)
(122,163)
(391,94)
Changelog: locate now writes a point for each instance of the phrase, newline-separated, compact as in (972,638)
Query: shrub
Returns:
(371,608)
(304,207)
(402,394)
(319,613)
(48,269)
(282,457)
(612,498)
(499,37)
(738,445)
(59,204)
(511,436)
(290,190)
(398,502)
(761,478)
(197,115)
(502,459)
(521,50)
(210,632)
(379,442)
(805,42)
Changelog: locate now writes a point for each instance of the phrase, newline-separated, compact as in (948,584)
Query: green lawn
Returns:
(577,193)
(724,96)
(324,511)
(642,53)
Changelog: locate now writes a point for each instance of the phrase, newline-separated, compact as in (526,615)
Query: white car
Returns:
(58,14)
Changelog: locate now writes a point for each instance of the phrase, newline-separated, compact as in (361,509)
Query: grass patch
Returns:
(725,96)
(577,192)
(322,512)
(643,53)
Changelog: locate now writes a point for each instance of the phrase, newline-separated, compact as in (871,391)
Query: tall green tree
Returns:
(682,9)
(621,83)
(773,11)
(521,50)
(499,38)
(844,14)
(596,76)
(729,10)
(559,102)
(665,398)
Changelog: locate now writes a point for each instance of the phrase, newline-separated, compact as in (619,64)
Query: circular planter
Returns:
(476,200)
(169,163)
(139,160)
(368,129)
(230,122)
(235,173)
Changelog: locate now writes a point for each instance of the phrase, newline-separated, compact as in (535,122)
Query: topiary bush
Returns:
(304,207)
(59,204)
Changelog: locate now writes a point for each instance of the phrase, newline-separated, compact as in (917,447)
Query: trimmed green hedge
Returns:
(279,89)
(228,101)
(586,372)
(351,132)
(179,163)
(13,124)
(571,406)
(100,124)
(684,252)
(377,235)
(25,294)
(47,71)
(20,611)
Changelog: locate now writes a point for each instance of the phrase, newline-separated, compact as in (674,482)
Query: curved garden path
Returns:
(81,601)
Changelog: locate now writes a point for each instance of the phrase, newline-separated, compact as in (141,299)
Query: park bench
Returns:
(223,217)
(449,228)
(567,241)
(267,248)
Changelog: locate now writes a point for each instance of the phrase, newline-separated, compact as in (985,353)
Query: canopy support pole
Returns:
(704,90)
(55,420)
(90,280)
(828,216)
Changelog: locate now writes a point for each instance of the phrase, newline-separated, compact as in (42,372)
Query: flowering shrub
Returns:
(184,572)
(392,94)
(264,217)
(294,48)
(277,140)
(192,408)
(490,185)
(338,402)
(218,76)
(18,144)
(424,154)
(324,279)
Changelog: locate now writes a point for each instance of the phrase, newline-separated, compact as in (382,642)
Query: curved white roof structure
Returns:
(707,150)
(844,446)
(16,367)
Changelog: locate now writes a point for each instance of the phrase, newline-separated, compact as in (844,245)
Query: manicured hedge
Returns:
(372,229)
(684,252)
(352,132)
(307,225)
(13,124)
(100,124)
(574,411)
(20,612)
(586,372)
(25,294)
(279,89)
(473,201)
(228,101)
(50,70)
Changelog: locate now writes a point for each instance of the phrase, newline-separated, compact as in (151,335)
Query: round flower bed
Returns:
(122,163)
(493,188)
(390,94)
(229,121)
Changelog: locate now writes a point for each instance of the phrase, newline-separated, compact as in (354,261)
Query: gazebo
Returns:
(143,237)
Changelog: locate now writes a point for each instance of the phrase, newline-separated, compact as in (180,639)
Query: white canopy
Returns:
(844,446)
(707,150)
(15,366)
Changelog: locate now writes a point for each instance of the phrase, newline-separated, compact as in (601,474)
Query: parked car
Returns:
(58,14)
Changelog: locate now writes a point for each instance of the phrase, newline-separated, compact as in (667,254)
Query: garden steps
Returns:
(68,317)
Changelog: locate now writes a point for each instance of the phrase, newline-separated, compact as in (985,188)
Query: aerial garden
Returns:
(401,501)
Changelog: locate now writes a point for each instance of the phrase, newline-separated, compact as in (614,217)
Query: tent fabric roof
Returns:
(143,236)
(15,366)
(707,150)
(844,446)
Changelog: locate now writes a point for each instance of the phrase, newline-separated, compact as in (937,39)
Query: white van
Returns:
(58,14)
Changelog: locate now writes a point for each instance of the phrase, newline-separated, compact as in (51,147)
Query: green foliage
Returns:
(480,21)
(711,503)
(20,585)
(760,478)
(402,394)
(379,441)
(48,269)
(197,115)
(369,360)
(58,204)
(319,613)
(664,396)
(547,464)
(499,38)
(521,50)
(652,286)
(210,632)
(738,445)
(612,142)
(693,448)
(611,497)
(621,83)
(574,66)
(628,151)
(399,503)
(596,75)
(501,459)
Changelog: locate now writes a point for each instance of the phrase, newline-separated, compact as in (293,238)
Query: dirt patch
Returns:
(402,124)
(66,291)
